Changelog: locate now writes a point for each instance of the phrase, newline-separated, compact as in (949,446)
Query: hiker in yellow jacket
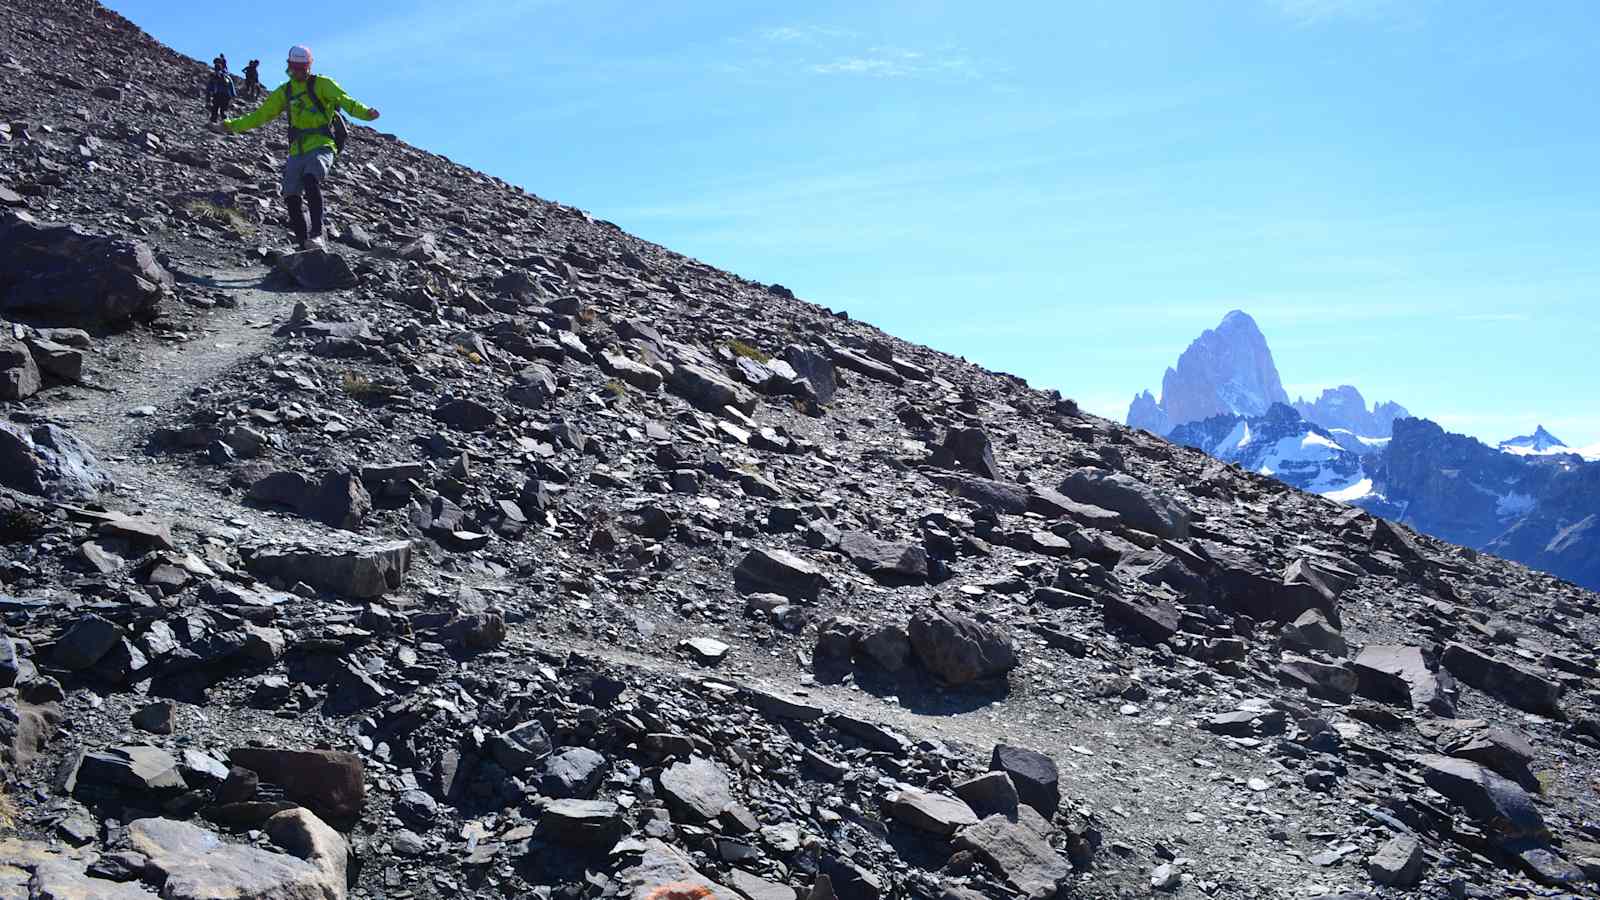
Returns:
(313,102)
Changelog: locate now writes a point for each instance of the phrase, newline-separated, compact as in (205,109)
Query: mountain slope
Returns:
(517,556)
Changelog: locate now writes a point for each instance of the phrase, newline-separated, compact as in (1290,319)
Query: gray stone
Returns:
(959,650)
(194,864)
(157,718)
(1498,804)
(1508,682)
(307,837)
(661,864)
(887,561)
(581,822)
(574,773)
(63,275)
(19,374)
(972,449)
(522,747)
(1313,631)
(1140,505)
(1019,852)
(331,783)
(90,638)
(778,572)
(1154,620)
(360,572)
(50,462)
(1398,862)
(317,270)
(989,794)
(138,768)
(710,391)
(1397,673)
(697,788)
(930,812)
(1035,776)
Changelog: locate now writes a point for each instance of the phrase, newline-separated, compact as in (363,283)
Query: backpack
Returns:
(336,127)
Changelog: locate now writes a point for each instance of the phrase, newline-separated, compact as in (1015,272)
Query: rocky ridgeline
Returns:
(499,553)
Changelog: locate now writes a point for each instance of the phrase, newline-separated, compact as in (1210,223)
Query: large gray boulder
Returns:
(360,572)
(63,275)
(959,650)
(19,373)
(49,462)
(778,572)
(192,863)
(1141,506)
(316,270)
(1498,804)
(709,390)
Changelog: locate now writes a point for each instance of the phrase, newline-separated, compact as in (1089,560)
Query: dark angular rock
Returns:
(62,275)
(361,572)
(89,639)
(928,811)
(330,783)
(50,462)
(1510,683)
(696,788)
(573,773)
(316,270)
(1140,505)
(19,374)
(1035,776)
(778,572)
(990,794)
(886,561)
(1153,620)
(957,649)
(1498,805)
(581,823)
(972,449)
(466,415)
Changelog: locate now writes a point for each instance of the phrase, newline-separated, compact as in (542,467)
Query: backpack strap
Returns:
(295,134)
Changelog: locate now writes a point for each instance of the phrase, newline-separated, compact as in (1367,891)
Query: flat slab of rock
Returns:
(1397,673)
(1398,862)
(329,782)
(1140,505)
(1019,852)
(359,572)
(1507,682)
(778,572)
(1498,804)
(195,864)
(891,562)
(662,864)
(581,822)
(698,788)
(930,812)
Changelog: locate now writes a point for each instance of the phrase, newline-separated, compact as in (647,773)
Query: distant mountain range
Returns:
(1531,498)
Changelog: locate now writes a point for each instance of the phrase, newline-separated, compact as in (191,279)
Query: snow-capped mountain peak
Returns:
(1540,443)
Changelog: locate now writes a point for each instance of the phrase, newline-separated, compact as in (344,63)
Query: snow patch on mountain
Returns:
(1280,444)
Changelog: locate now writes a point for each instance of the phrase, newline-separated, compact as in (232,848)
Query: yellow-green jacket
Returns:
(303,113)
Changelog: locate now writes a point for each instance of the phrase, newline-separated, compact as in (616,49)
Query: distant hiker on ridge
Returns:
(252,80)
(311,104)
(219,90)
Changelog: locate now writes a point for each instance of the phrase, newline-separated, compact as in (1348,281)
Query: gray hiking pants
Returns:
(318,163)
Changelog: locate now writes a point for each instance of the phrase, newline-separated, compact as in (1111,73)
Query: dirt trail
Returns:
(145,372)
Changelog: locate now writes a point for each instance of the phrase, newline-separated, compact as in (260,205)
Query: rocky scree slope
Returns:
(517,556)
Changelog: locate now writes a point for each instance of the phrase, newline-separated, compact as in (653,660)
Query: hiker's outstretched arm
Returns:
(349,104)
(266,112)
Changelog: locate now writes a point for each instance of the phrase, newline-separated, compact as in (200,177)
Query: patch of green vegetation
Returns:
(362,389)
(740,348)
(617,388)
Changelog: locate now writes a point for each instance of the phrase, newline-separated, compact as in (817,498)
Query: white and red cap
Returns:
(300,55)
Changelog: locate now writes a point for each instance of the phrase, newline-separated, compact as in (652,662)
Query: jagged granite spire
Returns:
(1227,370)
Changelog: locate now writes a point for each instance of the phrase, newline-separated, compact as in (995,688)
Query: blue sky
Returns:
(1403,193)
